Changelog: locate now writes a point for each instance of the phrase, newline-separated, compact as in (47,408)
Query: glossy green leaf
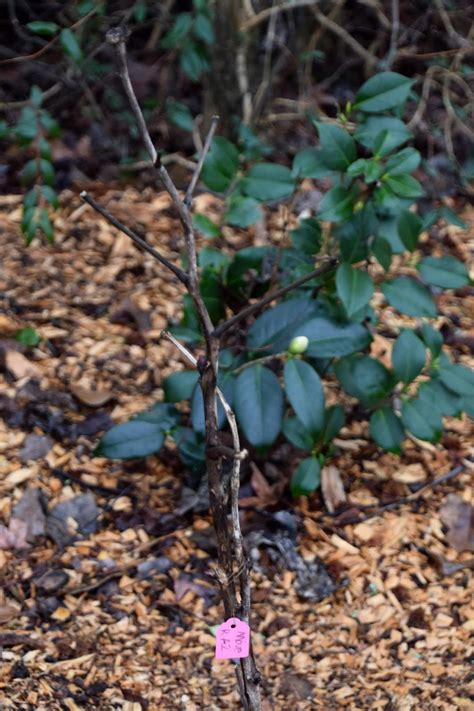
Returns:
(364,378)
(437,396)
(459,379)
(382,252)
(395,134)
(409,297)
(405,186)
(179,386)
(309,163)
(408,356)
(274,329)
(306,477)
(193,60)
(338,148)
(216,259)
(445,272)
(405,161)
(409,227)
(385,90)
(221,165)
(334,420)
(329,338)
(305,393)
(354,287)
(354,235)
(178,32)
(243,211)
(259,405)
(337,204)
(163,414)
(205,226)
(268,181)
(307,236)
(386,429)
(432,338)
(203,30)
(295,433)
(422,419)
(70,45)
(131,440)
(180,115)
(40,27)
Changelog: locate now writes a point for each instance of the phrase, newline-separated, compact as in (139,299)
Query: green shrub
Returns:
(274,379)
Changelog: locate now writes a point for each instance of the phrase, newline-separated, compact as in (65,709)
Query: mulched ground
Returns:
(122,618)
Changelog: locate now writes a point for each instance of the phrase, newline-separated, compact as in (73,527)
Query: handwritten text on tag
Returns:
(232,639)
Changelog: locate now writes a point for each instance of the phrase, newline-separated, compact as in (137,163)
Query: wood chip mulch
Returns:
(122,618)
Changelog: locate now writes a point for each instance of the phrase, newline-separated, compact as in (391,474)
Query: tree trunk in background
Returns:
(223,89)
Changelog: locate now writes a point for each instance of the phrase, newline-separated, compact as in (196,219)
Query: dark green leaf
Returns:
(437,396)
(306,477)
(45,224)
(388,230)
(409,297)
(307,236)
(70,45)
(459,379)
(205,226)
(180,115)
(409,227)
(421,418)
(30,198)
(276,327)
(334,420)
(337,205)
(27,127)
(405,161)
(28,336)
(180,386)
(221,165)
(395,134)
(305,393)
(451,217)
(131,440)
(382,252)
(354,235)
(295,433)
(191,448)
(211,291)
(214,258)
(250,265)
(330,338)
(259,405)
(226,384)
(243,211)
(383,91)
(432,338)
(309,163)
(354,287)
(386,429)
(202,29)
(338,149)
(364,377)
(405,186)
(268,181)
(47,171)
(408,356)
(445,272)
(162,414)
(179,31)
(45,29)
(193,60)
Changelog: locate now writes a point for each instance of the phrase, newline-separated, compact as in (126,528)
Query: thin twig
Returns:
(344,35)
(182,349)
(182,276)
(394,34)
(40,52)
(197,171)
(249,310)
(264,14)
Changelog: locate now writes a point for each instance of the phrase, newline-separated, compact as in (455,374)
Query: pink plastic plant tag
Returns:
(232,639)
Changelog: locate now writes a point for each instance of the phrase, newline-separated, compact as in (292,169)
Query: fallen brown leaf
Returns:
(19,366)
(332,488)
(14,536)
(458,516)
(92,398)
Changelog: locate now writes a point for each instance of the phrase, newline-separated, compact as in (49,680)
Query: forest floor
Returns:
(122,617)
